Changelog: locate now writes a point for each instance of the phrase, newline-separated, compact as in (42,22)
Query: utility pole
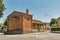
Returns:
(49,29)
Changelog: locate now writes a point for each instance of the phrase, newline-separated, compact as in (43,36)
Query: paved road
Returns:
(31,36)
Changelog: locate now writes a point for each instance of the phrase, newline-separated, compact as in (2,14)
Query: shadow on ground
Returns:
(58,32)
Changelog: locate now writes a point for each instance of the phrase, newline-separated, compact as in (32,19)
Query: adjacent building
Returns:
(58,22)
(1,24)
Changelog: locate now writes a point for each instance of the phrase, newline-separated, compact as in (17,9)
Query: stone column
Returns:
(36,27)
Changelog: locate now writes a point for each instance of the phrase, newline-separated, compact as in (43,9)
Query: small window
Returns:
(27,19)
(15,17)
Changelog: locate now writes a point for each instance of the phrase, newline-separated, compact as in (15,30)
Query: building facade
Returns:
(1,24)
(19,22)
(58,22)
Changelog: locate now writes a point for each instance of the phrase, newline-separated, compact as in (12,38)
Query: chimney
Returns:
(27,11)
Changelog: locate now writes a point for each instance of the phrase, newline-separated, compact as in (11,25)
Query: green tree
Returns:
(53,23)
(5,22)
(2,8)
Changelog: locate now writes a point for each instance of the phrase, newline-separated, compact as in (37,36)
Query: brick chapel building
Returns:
(19,22)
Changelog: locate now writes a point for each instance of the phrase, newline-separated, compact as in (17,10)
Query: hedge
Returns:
(55,29)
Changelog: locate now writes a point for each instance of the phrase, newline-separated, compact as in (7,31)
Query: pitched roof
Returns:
(21,13)
(37,21)
(58,18)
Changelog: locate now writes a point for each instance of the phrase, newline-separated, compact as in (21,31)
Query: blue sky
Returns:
(40,9)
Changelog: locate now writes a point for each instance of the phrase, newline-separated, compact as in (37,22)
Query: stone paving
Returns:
(31,36)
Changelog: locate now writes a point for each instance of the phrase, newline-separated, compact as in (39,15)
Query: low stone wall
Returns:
(14,32)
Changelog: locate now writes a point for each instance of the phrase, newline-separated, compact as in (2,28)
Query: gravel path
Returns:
(31,36)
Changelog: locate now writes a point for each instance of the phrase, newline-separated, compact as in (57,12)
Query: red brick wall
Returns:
(27,23)
(23,21)
(15,23)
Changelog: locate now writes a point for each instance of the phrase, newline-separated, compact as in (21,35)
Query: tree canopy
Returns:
(53,23)
(2,8)
(5,22)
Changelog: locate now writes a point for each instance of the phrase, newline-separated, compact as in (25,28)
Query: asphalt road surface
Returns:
(31,36)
